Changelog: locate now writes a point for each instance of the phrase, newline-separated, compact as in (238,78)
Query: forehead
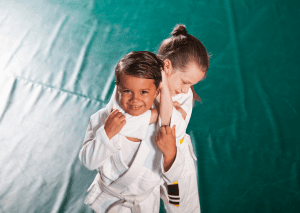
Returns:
(132,82)
(192,73)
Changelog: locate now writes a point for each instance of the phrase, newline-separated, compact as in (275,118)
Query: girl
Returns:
(185,63)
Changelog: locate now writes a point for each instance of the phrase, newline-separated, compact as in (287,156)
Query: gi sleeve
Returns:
(181,195)
(96,146)
(186,101)
(174,173)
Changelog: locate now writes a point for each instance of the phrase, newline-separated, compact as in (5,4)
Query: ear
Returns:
(156,93)
(168,68)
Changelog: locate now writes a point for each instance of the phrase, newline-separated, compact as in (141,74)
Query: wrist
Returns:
(169,156)
(163,85)
(168,162)
(107,134)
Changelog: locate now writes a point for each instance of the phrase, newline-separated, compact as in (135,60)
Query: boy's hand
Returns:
(166,142)
(114,123)
(178,107)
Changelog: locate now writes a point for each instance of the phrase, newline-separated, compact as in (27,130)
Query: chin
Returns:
(135,113)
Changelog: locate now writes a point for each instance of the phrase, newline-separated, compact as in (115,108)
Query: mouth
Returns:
(135,107)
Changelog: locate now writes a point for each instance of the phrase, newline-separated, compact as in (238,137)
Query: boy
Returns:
(130,169)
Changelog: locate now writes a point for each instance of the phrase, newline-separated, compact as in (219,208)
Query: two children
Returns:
(138,165)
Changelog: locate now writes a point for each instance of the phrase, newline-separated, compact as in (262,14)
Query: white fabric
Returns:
(186,101)
(98,152)
(128,149)
(110,165)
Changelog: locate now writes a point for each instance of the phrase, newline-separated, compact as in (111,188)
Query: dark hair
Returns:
(183,48)
(142,64)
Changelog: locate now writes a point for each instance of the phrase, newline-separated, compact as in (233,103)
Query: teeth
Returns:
(135,107)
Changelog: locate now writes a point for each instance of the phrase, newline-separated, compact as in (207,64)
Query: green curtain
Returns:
(57,60)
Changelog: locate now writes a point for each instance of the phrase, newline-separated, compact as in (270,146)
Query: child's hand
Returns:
(166,142)
(178,107)
(114,123)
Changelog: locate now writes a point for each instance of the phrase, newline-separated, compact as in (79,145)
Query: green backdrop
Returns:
(57,60)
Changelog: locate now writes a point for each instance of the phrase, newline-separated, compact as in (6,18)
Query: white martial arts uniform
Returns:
(118,188)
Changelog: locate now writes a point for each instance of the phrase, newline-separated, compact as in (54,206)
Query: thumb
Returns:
(174,130)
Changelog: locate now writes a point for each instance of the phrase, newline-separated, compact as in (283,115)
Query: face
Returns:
(136,95)
(180,81)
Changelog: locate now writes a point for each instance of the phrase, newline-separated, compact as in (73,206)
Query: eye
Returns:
(144,92)
(184,82)
(126,91)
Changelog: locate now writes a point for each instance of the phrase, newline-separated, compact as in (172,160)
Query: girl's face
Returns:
(180,81)
(136,95)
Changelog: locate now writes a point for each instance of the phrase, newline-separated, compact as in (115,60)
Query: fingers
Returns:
(119,115)
(174,130)
(184,115)
(168,130)
(123,122)
(158,136)
(163,130)
(113,113)
(176,104)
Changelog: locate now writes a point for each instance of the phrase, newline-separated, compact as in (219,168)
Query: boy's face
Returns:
(136,95)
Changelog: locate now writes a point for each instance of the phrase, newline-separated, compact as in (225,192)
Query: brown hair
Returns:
(182,48)
(142,64)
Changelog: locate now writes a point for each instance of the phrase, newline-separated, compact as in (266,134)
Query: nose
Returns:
(134,97)
(185,89)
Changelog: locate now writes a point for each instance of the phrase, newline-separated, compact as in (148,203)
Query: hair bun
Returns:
(179,29)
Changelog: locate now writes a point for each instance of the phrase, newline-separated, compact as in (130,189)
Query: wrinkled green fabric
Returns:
(57,61)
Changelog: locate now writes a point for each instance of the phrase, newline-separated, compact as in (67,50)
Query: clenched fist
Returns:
(114,123)
(166,142)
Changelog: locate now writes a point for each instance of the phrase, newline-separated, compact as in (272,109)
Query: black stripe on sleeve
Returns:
(173,189)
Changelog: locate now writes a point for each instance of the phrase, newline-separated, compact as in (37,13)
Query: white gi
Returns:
(138,188)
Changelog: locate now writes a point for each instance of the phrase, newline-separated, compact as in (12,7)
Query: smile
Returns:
(136,107)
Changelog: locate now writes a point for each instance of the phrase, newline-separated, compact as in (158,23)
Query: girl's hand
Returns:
(114,123)
(166,142)
(178,107)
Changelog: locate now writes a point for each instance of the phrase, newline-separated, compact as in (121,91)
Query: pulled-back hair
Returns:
(142,64)
(182,48)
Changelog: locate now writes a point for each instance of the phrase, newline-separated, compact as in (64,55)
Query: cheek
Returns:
(123,100)
(174,83)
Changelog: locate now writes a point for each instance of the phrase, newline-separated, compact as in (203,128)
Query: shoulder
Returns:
(99,117)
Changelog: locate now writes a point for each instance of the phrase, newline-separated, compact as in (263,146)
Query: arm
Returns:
(166,103)
(97,145)
(180,190)
(178,107)
(154,116)
(166,142)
